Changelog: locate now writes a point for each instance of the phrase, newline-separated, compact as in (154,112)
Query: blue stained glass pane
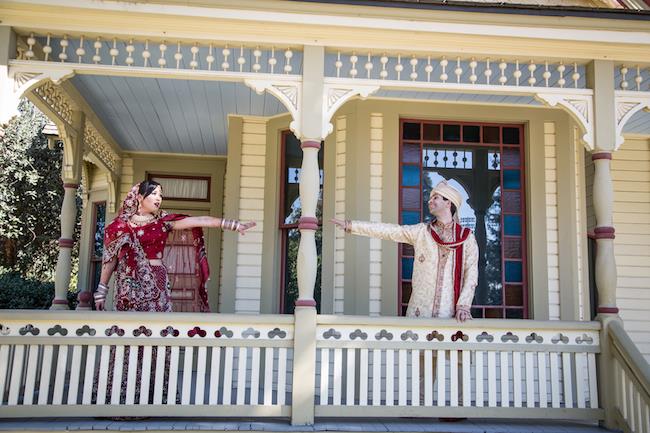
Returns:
(410,175)
(512,225)
(513,272)
(407,268)
(410,217)
(511,179)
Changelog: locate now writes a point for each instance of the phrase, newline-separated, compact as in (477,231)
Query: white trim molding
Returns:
(627,105)
(579,106)
(289,93)
(25,80)
(335,94)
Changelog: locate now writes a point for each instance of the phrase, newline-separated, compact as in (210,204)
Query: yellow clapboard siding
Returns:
(629,186)
(633,282)
(633,271)
(634,197)
(636,176)
(622,217)
(632,260)
(633,228)
(635,144)
(631,155)
(639,250)
(635,239)
(629,165)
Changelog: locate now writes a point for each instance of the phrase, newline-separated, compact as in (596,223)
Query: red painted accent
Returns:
(607,310)
(305,303)
(310,144)
(604,232)
(461,234)
(308,223)
(601,155)
(60,302)
(71,185)
(66,243)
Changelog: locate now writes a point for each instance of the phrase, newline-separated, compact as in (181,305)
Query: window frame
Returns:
(401,306)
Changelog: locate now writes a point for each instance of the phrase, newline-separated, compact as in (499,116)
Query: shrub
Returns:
(17,292)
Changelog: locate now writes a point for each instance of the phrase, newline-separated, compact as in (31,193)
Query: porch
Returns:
(308,367)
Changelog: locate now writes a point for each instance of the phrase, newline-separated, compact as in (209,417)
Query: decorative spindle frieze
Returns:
(536,73)
(98,145)
(179,55)
(54,97)
(632,77)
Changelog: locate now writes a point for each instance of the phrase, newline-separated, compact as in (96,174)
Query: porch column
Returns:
(8,100)
(304,372)
(71,174)
(601,79)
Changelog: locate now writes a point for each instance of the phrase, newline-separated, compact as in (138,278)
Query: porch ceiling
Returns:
(170,115)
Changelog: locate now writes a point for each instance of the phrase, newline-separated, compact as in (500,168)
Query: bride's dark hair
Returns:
(147,187)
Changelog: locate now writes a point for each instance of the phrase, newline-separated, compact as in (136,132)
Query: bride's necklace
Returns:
(141,220)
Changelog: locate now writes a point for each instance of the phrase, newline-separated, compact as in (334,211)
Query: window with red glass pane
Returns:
(485,162)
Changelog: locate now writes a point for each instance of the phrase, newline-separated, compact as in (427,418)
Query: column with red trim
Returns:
(73,144)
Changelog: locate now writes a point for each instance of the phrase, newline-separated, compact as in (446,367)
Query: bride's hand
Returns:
(244,226)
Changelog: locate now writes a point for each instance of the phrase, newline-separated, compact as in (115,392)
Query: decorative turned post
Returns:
(308,224)
(605,267)
(66,243)
(310,130)
(600,77)
(72,137)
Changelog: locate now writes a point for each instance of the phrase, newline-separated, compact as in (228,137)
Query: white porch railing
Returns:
(55,363)
(486,368)
(632,382)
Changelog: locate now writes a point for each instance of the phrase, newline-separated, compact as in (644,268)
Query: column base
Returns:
(60,304)
(85,301)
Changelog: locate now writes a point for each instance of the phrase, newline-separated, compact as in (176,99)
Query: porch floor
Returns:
(283,425)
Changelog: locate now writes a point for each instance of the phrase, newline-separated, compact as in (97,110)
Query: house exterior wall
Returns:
(631,177)
(359,276)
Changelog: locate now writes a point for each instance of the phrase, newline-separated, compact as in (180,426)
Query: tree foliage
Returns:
(31,194)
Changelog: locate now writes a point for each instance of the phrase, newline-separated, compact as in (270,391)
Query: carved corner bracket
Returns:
(25,80)
(627,105)
(580,107)
(289,93)
(337,94)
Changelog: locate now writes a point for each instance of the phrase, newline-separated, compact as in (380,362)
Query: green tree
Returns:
(31,193)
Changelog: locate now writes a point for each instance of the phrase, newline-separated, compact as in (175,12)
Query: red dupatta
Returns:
(460,236)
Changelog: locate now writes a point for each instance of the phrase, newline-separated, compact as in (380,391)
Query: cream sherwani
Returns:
(433,280)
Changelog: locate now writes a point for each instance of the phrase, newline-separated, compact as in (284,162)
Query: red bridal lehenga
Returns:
(141,286)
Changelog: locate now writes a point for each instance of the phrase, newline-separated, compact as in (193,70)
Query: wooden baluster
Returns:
(30,380)
(186,388)
(350,379)
(145,380)
(324,376)
(255,376)
(376,377)
(241,375)
(282,375)
(215,364)
(415,377)
(338,376)
(390,377)
(75,374)
(227,376)
(363,377)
